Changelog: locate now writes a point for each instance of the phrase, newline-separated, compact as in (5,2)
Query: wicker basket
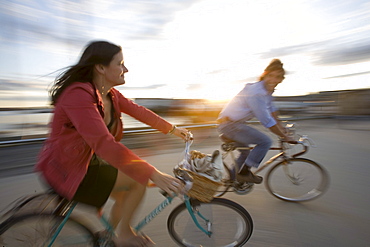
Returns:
(203,188)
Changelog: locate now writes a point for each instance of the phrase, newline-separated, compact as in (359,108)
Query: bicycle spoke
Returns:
(298,179)
(294,178)
(36,230)
(229,223)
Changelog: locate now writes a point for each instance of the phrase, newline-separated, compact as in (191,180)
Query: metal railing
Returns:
(148,130)
(127,132)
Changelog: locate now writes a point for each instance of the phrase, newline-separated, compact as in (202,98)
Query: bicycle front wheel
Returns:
(230,224)
(297,180)
(36,230)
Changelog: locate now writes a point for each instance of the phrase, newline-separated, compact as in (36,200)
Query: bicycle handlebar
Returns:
(305,149)
(189,137)
(305,141)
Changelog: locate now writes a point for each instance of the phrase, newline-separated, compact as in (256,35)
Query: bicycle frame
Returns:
(154,213)
(67,212)
(70,206)
(282,154)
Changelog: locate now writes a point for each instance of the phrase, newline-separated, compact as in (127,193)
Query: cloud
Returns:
(288,50)
(73,23)
(344,55)
(348,75)
(37,24)
(10,85)
(146,19)
(20,85)
(330,52)
(154,86)
(246,80)
(218,71)
(194,87)
(346,38)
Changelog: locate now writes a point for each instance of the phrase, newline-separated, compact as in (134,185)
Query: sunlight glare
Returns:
(221,37)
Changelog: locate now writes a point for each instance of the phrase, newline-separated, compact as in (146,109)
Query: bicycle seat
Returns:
(228,144)
(225,139)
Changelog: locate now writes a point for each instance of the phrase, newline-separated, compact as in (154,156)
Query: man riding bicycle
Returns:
(254,100)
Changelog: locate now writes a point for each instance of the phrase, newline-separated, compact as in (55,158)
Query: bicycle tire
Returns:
(227,181)
(232,225)
(306,180)
(36,230)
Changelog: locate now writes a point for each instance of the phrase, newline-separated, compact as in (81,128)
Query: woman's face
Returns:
(115,71)
(273,79)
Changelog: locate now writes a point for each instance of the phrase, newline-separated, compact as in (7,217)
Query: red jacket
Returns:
(78,130)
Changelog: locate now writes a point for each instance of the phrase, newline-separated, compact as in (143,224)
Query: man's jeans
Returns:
(244,135)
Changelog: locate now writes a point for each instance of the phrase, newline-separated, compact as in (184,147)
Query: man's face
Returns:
(273,79)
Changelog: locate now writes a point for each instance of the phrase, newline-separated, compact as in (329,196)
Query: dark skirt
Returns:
(97,184)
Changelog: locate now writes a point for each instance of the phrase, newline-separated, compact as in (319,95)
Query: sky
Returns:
(187,48)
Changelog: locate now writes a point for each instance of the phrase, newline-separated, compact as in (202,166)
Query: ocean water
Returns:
(26,123)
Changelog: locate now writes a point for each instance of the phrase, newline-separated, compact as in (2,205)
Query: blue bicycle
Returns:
(47,219)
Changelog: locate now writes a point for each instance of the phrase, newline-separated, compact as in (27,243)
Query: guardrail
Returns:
(147,130)
(127,132)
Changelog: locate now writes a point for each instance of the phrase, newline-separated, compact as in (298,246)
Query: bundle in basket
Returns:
(203,188)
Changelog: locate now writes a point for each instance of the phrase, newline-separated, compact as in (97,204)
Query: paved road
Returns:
(341,217)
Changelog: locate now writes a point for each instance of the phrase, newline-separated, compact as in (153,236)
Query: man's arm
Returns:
(278,128)
(275,115)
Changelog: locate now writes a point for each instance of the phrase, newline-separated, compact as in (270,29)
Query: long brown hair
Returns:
(274,65)
(96,52)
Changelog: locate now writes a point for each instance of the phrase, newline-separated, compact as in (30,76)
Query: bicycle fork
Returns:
(191,210)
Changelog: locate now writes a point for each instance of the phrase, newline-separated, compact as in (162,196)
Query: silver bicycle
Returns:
(290,178)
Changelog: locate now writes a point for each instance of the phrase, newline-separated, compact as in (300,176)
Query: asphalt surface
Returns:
(340,217)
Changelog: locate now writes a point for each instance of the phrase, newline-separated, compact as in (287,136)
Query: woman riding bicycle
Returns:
(83,159)
(254,100)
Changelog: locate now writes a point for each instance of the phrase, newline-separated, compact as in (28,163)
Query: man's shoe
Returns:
(248,178)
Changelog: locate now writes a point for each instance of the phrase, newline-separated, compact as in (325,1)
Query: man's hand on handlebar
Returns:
(288,139)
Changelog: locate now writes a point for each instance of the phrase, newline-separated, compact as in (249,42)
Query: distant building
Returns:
(330,103)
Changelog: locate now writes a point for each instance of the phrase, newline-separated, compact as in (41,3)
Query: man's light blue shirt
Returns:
(252,101)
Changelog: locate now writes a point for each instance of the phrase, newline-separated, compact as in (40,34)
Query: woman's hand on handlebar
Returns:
(169,184)
(182,133)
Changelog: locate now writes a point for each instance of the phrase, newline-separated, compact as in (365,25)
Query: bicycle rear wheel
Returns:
(297,180)
(231,224)
(37,229)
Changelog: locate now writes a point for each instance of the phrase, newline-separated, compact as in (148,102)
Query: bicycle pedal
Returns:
(243,189)
(104,239)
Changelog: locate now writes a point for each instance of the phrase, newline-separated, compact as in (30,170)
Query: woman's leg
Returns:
(127,195)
